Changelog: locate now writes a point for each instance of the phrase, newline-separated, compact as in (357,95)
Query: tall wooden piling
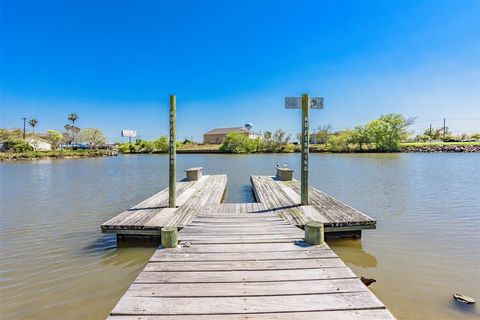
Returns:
(172,153)
(305,146)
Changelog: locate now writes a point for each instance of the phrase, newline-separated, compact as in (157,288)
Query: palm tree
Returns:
(73,117)
(33,123)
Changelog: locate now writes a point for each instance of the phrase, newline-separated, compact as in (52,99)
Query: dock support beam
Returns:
(172,153)
(169,237)
(305,145)
(314,233)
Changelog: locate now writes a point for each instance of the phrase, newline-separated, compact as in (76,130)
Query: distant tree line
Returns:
(71,136)
(382,134)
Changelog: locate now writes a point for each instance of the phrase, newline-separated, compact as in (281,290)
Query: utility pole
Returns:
(444,128)
(305,103)
(172,154)
(24,125)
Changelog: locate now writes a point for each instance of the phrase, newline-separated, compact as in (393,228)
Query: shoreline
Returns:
(78,154)
(53,155)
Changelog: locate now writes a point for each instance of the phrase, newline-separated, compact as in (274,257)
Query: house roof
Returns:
(228,130)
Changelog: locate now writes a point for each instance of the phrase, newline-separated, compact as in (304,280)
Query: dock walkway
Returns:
(283,197)
(149,216)
(242,261)
(280,197)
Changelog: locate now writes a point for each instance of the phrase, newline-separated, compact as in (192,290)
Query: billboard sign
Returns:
(129,133)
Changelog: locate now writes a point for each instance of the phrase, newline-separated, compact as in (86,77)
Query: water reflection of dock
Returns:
(243,260)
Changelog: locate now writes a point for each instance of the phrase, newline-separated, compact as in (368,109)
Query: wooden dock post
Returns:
(305,146)
(172,154)
(314,233)
(169,237)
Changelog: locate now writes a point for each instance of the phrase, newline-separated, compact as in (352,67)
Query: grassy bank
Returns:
(325,148)
(56,154)
(199,148)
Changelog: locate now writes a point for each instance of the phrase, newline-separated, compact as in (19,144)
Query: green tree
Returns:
(73,117)
(33,123)
(279,141)
(239,143)
(267,135)
(423,138)
(55,138)
(17,145)
(388,131)
(71,133)
(93,137)
(360,137)
(323,133)
(432,134)
(340,142)
(161,144)
(6,134)
(144,146)
(476,136)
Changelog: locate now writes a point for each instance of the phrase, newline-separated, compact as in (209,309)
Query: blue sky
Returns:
(115,63)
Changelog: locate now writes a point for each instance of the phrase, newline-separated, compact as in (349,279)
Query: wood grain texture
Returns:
(283,197)
(258,304)
(153,213)
(233,263)
(375,314)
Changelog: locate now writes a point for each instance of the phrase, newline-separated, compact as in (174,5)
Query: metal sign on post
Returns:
(305,103)
(172,154)
(296,103)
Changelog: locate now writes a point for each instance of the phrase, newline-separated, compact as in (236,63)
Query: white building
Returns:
(39,144)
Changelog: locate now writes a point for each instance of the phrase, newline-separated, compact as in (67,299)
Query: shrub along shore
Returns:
(55,154)
(319,148)
(209,148)
(387,133)
(384,134)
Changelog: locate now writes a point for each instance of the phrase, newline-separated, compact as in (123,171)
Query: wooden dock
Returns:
(242,261)
(149,216)
(283,197)
(202,196)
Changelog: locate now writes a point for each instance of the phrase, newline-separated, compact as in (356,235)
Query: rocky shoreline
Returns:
(441,148)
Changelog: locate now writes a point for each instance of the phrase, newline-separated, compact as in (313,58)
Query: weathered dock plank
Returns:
(149,216)
(258,304)
(244,276)
(263,275)
(244,289)
(322,315)
(283,197)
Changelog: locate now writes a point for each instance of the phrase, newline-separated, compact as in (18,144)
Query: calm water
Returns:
(55,263)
